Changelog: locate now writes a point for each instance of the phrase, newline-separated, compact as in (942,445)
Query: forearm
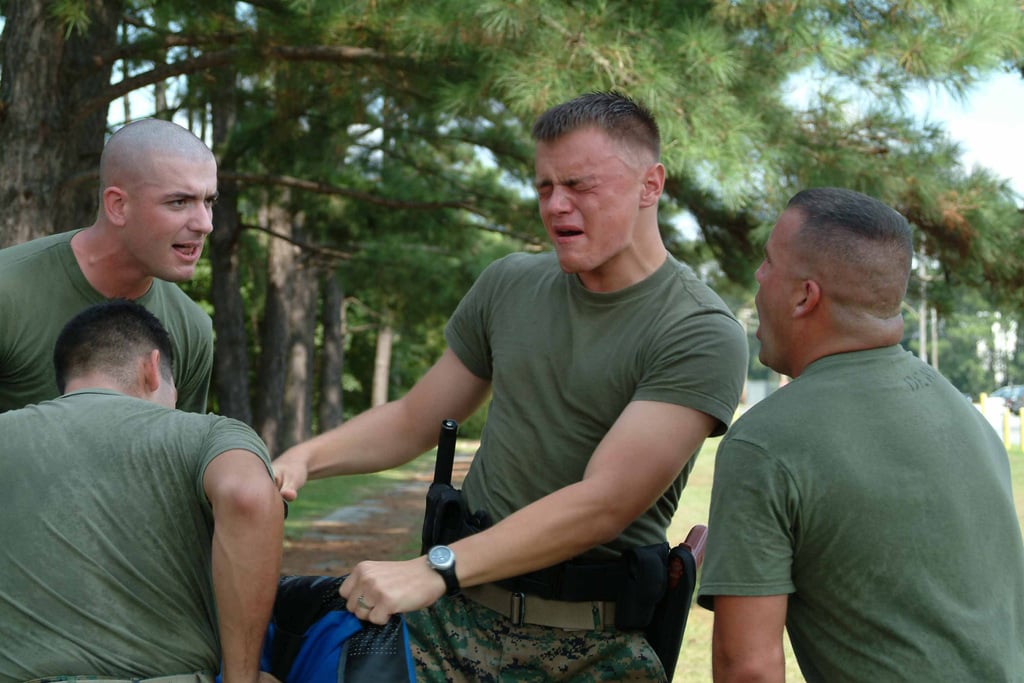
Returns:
(247,543)
(555,528)
(246,570)
(379,439)
(394,433)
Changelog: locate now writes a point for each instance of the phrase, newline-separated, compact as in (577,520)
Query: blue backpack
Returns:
(313,638)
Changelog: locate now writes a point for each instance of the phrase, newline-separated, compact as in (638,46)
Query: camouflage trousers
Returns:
(459,640)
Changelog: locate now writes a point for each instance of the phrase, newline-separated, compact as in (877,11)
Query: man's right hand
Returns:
(290,473)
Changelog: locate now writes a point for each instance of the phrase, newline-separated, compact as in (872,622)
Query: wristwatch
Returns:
(441,559)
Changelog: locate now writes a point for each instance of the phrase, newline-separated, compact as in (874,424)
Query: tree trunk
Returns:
(332,354)
(51,142)
(297,410)
(285,393)
(231,358)
(382,363)
(274,334)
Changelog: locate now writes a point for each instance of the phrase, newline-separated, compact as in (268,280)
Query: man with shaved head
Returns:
(158,183)
(865,507)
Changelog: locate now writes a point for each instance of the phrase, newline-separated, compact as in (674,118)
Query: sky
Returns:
(989,124)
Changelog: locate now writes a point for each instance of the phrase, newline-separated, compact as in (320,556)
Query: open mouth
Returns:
(567,232)
(187,250)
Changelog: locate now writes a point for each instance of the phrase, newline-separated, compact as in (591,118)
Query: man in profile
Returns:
(866,507)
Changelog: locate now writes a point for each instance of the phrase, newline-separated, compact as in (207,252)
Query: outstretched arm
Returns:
(247,542)
(389,435)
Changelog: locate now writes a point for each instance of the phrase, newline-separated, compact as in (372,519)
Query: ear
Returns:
(653,184)
(811,297)
(150,369)
(114,201)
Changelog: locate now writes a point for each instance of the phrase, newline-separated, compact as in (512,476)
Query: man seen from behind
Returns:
(137,541)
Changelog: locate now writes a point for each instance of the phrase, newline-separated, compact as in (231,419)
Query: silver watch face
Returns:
(441,557)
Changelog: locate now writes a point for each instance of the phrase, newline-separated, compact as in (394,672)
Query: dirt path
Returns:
(386,526)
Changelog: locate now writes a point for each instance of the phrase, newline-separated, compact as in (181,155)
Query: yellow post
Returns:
(1006,429)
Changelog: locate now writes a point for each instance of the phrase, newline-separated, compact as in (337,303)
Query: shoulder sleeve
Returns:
(467,330)
(227,434)
(700,362)
(751,525)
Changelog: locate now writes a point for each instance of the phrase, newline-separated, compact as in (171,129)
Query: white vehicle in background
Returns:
(1011,395)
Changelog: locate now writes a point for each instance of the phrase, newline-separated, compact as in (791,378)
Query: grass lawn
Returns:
(321,497)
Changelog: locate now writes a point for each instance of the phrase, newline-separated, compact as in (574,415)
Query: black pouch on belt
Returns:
(443,520)
(644,586)
(446,518)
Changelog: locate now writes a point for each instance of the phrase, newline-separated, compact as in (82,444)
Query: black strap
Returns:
(574,580)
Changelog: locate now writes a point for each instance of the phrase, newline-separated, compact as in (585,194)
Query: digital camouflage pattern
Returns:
(458,640)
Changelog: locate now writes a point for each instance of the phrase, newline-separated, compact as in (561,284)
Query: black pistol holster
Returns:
(665,630)
(446,518)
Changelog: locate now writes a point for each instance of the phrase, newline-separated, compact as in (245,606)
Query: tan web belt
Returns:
(521,608)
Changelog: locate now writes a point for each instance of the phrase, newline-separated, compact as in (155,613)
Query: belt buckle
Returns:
(517,608)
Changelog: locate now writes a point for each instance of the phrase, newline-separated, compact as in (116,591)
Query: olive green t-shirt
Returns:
(105,537)
(564,362)
(879,500)
(42,287)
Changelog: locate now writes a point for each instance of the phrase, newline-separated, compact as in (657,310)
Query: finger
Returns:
(287,487)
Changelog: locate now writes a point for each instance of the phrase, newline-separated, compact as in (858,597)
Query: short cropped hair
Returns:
(624,120)
(139,142)
(871,240)
(109,337)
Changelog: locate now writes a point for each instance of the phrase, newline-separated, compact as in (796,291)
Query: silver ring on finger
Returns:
(362,603)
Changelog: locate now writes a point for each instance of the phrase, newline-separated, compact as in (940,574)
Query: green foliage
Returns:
(73,16)
(396,132)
